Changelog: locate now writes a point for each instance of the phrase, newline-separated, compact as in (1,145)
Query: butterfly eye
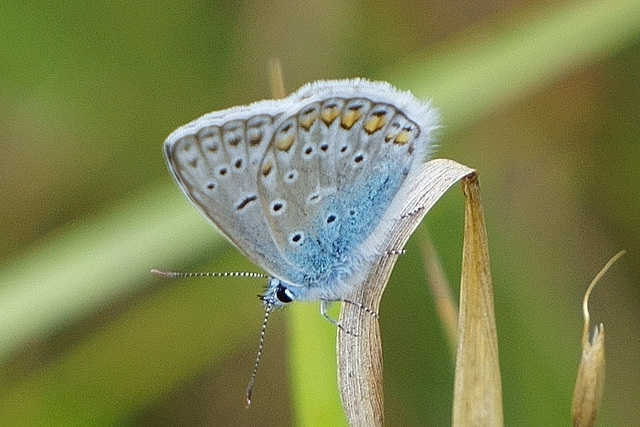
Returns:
(283,294)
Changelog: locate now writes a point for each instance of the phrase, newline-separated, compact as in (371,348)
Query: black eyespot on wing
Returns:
(245,202)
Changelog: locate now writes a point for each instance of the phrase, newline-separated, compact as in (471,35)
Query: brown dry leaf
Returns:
(477,397)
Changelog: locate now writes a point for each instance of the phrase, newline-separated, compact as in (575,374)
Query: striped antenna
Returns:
(247,398)
(177,275)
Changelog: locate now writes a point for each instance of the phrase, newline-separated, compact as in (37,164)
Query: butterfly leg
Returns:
(363,307)
(323,310)
(413,212)
(395,252)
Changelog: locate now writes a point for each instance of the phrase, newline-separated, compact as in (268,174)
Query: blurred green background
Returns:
(542,98)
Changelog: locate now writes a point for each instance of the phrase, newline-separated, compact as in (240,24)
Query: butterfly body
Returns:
(304,185)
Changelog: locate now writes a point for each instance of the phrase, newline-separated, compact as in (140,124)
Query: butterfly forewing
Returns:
(216,164)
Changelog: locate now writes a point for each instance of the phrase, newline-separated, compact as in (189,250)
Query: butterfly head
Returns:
(278,294)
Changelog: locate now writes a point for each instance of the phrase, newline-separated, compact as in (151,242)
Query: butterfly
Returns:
(305,186)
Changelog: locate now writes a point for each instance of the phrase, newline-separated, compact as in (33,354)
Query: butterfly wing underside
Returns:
(215,160)
(299,184)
